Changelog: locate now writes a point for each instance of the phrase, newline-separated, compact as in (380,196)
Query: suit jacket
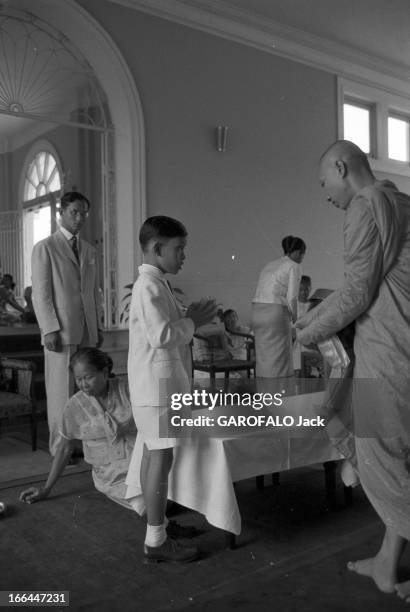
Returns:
(159,357)
(65,292)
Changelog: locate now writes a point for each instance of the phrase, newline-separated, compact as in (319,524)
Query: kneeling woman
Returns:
(274,308)
(99,415)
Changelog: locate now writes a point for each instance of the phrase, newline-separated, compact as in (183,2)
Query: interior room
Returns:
(215,113)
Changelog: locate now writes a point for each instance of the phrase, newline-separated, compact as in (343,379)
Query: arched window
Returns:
(42,177)
(41,189)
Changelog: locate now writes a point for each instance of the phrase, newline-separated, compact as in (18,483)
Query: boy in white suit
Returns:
(159,363)
(66,303)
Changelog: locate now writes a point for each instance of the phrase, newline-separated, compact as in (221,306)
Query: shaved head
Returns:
(348,152)
(344,171)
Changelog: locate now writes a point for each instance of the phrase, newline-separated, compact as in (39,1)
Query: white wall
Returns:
(281,115)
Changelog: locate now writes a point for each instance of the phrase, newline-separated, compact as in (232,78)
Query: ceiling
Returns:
(377,28)
(372,33)
(362,38)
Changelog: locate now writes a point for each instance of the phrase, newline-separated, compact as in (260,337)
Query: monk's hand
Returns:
(52,341)
(33,495)
(304,336)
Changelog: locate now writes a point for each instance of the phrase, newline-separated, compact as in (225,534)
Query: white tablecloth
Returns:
(205,469)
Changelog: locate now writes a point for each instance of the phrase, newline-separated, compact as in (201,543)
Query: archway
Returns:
(124,200)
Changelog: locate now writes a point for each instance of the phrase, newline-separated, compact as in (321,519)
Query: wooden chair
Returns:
(213,364)
(17,392)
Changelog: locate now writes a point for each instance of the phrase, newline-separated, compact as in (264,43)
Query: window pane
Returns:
(50,169)
(41,219)
(398,137)
(31,191)
(357,125)
(54,181)
(42,176)
(36,226)
(41,160)
(32,174)
(41,189)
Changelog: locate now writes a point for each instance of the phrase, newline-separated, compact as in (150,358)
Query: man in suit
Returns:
(66,303)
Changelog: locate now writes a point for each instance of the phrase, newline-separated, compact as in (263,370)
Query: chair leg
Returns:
(213,384)
(226,381)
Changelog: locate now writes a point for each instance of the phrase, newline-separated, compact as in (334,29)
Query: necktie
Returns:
(74,246)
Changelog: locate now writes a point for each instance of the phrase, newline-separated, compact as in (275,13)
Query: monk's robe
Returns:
(376,294)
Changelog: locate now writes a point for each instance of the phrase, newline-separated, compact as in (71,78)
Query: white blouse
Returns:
(278,282)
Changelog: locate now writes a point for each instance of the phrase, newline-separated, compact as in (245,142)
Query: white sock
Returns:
(155,536)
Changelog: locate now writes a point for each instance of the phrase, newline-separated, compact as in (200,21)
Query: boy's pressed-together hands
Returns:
(202,312)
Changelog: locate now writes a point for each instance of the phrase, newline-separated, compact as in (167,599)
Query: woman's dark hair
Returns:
(73,196)
(293,243)
(10,278)
(160,227)
(92,356)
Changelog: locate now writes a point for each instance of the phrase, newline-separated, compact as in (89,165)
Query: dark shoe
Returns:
(175,530)
(170,551)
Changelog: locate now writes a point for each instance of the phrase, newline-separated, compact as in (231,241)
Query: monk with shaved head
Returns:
(376,295)
(344,170)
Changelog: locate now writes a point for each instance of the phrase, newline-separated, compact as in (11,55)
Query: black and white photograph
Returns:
(205,305)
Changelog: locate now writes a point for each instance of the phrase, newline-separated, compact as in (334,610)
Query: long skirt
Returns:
(271,324)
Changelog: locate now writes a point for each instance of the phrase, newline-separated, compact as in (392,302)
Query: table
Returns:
(205,468)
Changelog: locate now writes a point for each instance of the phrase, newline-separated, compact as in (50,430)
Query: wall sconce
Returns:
(221,138)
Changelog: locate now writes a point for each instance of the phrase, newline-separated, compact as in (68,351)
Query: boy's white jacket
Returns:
(159,356)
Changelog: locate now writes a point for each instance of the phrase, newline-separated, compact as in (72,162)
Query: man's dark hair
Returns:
(293,243)
(160,227)
(73,196)
(305,280)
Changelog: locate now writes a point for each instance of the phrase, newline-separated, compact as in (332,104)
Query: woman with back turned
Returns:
(274,309)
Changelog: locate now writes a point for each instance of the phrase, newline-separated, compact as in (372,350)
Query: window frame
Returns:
(405,118)
(358,103)
(48,199)
(384,103)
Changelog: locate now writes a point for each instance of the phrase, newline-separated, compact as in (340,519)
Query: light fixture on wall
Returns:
(221,132)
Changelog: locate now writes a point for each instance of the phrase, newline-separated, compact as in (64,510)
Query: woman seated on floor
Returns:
(99,415)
